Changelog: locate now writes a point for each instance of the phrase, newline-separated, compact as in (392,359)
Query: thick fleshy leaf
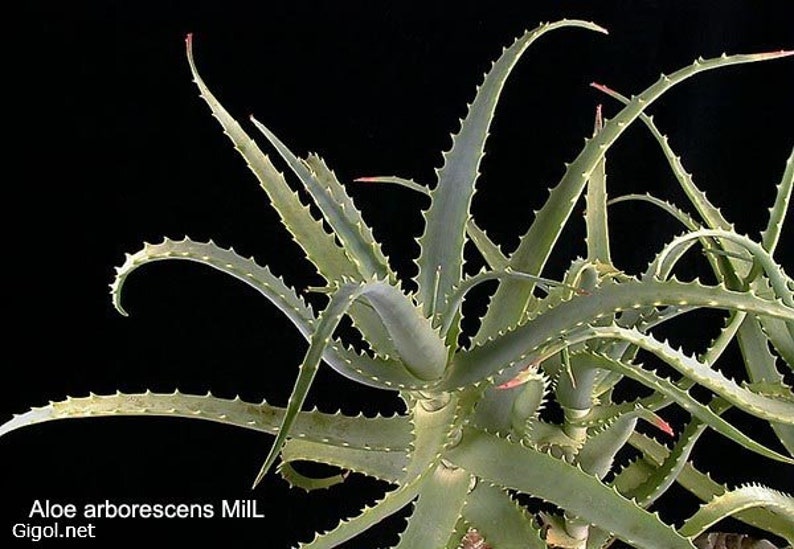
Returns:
(356,432)
(761,367)
(384,465)
(508,305)
(729,503)
(757,404)
(500,520)
(332,261)
(667,388)
(596,211)
(432,430)
(337,209)
(437,509)
(441,259)
(379,372)
(422,352)
(706,489)
(525,469)
(506,355)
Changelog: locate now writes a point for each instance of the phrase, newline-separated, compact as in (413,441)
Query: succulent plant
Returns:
(525,404)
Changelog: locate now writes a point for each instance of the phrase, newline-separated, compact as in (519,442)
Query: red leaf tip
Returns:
(601,87)
(664,426)
(515,382)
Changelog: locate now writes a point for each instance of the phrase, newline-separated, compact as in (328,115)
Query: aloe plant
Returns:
(476,435)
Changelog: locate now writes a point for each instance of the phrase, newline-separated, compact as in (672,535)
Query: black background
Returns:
(111,146)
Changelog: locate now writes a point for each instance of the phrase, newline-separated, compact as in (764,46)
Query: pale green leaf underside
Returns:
(422,352)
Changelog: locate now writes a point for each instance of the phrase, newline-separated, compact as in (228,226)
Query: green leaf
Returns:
(665,387)
(702,486)
(421,350)
(514,350)
(330,260)
(502,522)
(596,222)
(770,236)
(441,259)
(518,467)
(455,300)
(437,509)
(768,408)
(510,300)
(376,433)
(761,367)
(490,251)
(379,372)
(337,209)
(432,432)
(386,465)
(710,214)
(660,479)
(396,180)
(296,479)
(777,278)
(598,452)
(740,499)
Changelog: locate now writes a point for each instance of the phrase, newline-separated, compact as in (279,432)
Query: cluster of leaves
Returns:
(474,436)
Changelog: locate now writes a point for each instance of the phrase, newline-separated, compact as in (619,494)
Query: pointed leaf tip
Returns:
(521,378)
(601,87)
(664,426)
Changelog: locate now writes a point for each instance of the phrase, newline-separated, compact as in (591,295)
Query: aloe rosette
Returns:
(474,436)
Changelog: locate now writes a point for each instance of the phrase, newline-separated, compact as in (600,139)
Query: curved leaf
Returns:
(441,258)
(386,465)
(740,499)
(376,433)
(771,409)
(510,300)
(514,350)
(379,372)
(421,350)
(298,480)
(432,430)
(518,467)
(702,486)
(665,387)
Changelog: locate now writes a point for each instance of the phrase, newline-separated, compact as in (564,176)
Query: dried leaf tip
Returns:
(601,87)
(663,426)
